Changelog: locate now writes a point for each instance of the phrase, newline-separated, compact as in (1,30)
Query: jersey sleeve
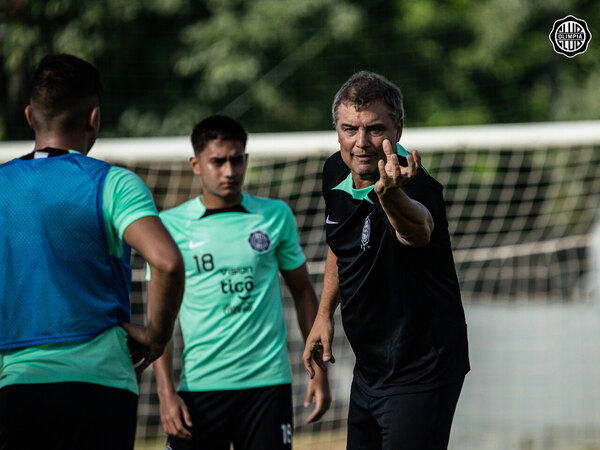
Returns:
(289,253)
(125,199)
(148,275)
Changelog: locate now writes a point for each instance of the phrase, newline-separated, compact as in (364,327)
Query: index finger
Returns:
(182,431)
(177,429)
(186,416)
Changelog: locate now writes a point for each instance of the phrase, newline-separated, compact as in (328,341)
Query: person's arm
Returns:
(305,301)
(154,243)
(172,406)
(320,338)
(411,219)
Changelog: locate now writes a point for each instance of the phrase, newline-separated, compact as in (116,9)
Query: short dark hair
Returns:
(217,128)
(62,90)
(364,88)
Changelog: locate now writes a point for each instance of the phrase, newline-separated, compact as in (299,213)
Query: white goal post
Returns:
(470,137)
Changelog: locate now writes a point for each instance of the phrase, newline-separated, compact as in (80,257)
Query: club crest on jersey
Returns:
(366,234)
(259,241)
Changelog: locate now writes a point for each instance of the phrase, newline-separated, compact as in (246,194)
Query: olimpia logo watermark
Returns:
(570,36)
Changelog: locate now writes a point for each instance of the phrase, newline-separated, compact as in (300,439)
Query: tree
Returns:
(115,35)
(276,64)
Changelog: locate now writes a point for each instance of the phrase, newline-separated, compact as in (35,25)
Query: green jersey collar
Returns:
(202,210)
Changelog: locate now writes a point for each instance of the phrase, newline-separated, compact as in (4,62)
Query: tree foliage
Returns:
(276,64)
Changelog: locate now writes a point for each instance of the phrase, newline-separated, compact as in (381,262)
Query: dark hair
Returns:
(63,89)
(364,88)
(220,128)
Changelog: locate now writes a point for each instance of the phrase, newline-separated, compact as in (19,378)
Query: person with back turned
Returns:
(68,223)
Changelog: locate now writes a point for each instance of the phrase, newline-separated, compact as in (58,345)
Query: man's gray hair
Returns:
(364,88)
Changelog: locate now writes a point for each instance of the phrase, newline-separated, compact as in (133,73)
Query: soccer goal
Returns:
(523,201)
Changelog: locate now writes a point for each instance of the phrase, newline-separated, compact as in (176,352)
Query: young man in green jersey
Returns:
(235,384)
(67,379)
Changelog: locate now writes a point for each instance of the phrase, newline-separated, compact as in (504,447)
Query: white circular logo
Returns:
(259,241)
(570,36)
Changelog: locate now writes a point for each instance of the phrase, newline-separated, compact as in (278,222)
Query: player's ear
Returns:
(195,164)
(94,118)
(29,116)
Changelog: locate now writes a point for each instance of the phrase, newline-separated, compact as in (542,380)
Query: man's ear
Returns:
(195,165)
(29,116)
(93,119)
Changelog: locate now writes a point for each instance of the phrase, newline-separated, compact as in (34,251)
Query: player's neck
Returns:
(211,201)
(60,141)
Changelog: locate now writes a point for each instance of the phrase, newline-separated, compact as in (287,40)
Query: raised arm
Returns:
(318,342)
(154,243)
(411,220)
(305,301)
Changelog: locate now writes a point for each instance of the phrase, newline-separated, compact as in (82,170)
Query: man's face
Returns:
(361,134)
(222,166)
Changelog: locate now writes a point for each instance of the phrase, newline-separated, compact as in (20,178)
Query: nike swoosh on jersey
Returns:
(328,221)
(197,244)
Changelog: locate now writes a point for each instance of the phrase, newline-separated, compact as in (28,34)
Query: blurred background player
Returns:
(67,379)
(390,263)
(235,384)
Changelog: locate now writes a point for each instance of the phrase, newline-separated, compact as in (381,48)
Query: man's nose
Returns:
(228,169)
(362,139)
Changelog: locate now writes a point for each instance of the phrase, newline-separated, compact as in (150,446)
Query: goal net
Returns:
(522,203)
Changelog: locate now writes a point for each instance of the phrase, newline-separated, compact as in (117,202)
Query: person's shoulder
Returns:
(425,189)
(335,171)
(424,179)
(335,163)
(118,172)
(90,160)
(181,211)
(255,204)
(123,182)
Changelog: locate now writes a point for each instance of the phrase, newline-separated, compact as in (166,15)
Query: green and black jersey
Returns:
(231,316)
(401,306)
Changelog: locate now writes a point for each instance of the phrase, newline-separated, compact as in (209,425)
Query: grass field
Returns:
(319,441)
